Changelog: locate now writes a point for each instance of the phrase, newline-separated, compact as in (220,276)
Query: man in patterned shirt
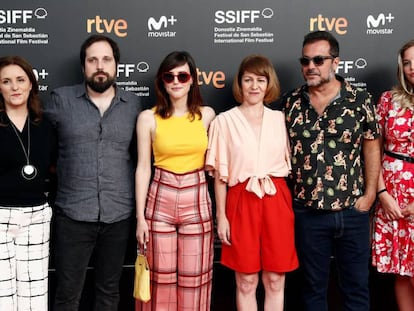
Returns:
(335,166)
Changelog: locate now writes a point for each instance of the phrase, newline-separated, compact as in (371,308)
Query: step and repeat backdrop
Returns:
(217,33)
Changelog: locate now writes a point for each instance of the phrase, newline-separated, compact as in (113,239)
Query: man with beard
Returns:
(330,218)
(95,123)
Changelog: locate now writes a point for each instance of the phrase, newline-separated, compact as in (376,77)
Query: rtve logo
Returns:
(373,22)
(101,25)
(216,78)
(337,24)
(163,22)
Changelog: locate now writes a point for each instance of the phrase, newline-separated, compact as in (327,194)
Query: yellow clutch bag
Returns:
(142,279)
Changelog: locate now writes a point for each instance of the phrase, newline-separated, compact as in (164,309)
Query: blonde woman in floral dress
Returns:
(393,246)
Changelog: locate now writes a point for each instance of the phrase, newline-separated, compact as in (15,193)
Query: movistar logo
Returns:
(162,22)
(373,22)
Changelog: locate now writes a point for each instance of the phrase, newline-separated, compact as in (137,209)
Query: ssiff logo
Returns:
(154,26)
(348,66)
(126,70)
(241,16)
(377,25)
(15,16)
(345,66)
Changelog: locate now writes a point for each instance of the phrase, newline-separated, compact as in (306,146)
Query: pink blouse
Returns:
(236,154)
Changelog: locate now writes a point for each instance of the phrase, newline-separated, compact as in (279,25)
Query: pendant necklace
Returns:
(28,171)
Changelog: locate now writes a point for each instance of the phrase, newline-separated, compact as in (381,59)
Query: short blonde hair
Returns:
(261,66)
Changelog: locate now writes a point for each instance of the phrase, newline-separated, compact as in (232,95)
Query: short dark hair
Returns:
(261,66)
(325,36)
(97,38)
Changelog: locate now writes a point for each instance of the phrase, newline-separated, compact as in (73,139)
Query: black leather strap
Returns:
(399,156)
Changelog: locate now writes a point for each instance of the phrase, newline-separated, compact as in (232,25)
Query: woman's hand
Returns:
(390,207)
(223,230)
(409,210)
(142,234)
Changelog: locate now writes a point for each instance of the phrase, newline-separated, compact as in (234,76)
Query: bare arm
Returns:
(372,158)
(223,226)
(208,116)
(145,127)
(390,206)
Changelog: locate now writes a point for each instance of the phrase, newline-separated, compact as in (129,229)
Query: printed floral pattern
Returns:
(393,241)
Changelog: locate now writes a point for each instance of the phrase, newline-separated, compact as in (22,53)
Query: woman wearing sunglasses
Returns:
(174,210)
(248,152)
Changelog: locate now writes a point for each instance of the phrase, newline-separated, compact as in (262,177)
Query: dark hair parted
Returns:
(163,105)
(323,36)
(98,38)
(261,66)
(33,102)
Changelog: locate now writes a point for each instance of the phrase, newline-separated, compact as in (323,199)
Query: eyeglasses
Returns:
(168,77)
(317,60)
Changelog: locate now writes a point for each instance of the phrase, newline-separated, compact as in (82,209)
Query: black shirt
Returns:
(14,189)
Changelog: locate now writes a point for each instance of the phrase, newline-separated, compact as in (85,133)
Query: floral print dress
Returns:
(393,240)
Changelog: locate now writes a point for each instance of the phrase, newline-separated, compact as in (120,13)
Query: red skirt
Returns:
(261,230)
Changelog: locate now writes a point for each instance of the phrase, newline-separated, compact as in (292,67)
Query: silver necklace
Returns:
(28,171)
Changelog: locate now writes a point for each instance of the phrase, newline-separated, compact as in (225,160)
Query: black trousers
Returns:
(75,242)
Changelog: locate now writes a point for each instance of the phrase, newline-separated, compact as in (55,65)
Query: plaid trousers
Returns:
(180,251)
(24,257)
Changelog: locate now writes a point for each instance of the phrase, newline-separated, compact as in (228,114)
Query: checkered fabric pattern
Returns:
(180,251)
(24,257)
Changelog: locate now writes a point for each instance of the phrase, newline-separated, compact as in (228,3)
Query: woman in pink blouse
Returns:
(249,157)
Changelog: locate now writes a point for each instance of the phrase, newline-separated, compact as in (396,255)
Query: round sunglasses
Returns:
(182,77)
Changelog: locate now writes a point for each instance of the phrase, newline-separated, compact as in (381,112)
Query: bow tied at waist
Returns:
(261,186)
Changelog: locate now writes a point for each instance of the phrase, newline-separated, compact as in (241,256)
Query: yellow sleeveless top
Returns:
(179,144)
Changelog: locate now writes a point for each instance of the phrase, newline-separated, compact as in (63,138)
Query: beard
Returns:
(322,80)
(100,84)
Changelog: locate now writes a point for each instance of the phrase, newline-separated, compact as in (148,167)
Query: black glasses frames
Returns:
(317,60)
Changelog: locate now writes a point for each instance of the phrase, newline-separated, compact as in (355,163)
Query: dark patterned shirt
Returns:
(327,169)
